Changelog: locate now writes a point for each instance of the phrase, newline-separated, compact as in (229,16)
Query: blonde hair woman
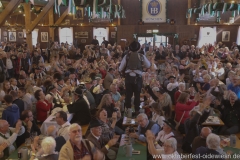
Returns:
(164,101)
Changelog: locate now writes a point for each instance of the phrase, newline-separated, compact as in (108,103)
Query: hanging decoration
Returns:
(102,11)
(214,9)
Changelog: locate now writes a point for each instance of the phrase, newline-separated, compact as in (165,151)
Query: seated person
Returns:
(201,139)
(61,118)
(9,135)
(48,150)
(30,127)
(100,142)
(165,134)
(78,148)
(17,101)
(11,112)
(230,112)
(144,125)
(57,99)
(198,115)
(60,140)
(169,152)
(213,149)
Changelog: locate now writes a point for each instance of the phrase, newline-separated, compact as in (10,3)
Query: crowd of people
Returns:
(168,88)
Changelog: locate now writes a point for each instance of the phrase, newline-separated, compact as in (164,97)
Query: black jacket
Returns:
(21,139)
(81,112)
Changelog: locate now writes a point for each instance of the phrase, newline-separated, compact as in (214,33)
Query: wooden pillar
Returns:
(51,22)
(189,6)
(45,10)
(27,8)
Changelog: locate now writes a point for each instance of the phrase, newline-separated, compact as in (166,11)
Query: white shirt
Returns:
(172,86)
(162,136)
(9,64)
(11,139)
(63,130)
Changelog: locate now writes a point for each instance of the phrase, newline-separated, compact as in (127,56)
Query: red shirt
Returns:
(77,153)
(42,109)
(180,108)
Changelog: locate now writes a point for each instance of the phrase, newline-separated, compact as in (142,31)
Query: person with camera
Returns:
(107,104)
(144,125)
(108,147)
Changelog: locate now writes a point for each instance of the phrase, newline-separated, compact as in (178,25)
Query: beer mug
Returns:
(128,150)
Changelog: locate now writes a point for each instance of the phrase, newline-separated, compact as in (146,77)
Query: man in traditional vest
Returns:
(144,125)
(8,135)
(133,64)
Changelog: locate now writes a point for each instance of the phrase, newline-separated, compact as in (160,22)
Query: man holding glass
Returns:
(30,126)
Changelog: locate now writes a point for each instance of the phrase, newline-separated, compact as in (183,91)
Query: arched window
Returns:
(66,35)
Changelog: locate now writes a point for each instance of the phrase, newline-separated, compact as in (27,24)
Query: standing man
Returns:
(132,64)
(80,108)
(95,41)
(105,42)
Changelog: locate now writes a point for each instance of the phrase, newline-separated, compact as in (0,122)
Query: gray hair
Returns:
(172,142)
(207,76)
(213,141)
(73,126)
(52,131)
(48,145)
(143,115)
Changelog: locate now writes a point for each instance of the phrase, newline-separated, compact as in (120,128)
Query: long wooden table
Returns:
(129,122)
(138,146)
(233,151)
(221,123)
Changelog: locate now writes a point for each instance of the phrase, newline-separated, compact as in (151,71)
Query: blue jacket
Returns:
(11,114)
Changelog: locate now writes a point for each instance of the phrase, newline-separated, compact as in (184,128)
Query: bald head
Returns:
(52,131)
(205,132)
(4,126)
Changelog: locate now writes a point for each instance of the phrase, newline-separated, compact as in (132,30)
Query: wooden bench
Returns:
(238,135)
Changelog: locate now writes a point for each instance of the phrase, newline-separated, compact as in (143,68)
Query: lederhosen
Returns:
(6,150)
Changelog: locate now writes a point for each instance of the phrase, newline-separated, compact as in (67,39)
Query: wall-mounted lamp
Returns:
(140,22)
(172,21)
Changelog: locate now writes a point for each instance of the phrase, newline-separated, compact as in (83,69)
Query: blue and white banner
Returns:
(154,11)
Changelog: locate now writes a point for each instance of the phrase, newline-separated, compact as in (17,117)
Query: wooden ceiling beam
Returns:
(45,10)
(12,5)
(61,18)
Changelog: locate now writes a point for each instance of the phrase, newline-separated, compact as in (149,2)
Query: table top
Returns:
(233,150)
(138,146)
(129,122)
(51,120)
(208,122)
